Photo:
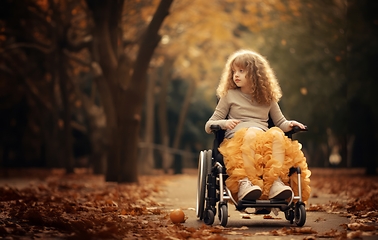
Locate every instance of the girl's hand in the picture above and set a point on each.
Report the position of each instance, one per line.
(231, 123)
(295, 123)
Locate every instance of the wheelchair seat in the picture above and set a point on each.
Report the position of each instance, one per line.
(220, 133)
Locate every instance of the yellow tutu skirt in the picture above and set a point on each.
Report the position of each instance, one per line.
(260, 166)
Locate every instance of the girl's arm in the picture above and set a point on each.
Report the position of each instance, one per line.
(280, 121)
(219, 116)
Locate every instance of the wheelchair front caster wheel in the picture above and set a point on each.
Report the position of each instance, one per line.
(209, 217)
(300, 215)
(223, 215)
(289, 215)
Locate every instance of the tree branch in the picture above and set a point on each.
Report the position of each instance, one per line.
(36, 95)
(28, 45)
(101, 11)
(150, 40)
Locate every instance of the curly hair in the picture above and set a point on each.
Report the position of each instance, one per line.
(264, 86)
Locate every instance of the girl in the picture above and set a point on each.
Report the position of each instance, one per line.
(257, 159)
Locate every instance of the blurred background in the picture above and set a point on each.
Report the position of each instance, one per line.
(125, 87)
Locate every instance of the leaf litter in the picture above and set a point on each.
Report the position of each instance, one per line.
(359, 201)
(84, 206)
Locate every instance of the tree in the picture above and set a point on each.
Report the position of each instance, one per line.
(324, 54)
(34, 41)
(362, 40)
(123, 83)
(67, 37)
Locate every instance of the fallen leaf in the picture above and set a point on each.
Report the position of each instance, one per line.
(361, 226)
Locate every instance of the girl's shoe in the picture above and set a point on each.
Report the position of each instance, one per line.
(248, 191)
(279, 190)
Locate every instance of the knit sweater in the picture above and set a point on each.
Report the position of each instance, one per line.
(237, 105)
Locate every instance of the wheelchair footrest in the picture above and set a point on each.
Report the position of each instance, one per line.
(272, 203)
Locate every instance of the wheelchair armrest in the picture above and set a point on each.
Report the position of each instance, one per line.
(295, 129)
(215, 128)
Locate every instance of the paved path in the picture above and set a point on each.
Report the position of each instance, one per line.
(181, 193)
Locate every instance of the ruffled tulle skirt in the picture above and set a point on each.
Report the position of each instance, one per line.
(254, 159)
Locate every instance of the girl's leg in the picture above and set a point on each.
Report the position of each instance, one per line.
(250, 155)
(279, 190)
(278, 148)
(248, 191)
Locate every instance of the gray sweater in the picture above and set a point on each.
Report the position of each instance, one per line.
(237, 105)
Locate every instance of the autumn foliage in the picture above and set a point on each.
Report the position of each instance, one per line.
(84, 206)
(79, 206)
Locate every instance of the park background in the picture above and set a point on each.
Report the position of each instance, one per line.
(123, 88)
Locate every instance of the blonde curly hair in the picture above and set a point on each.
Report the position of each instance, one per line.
(264, 86)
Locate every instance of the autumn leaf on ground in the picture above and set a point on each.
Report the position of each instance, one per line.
(332, 234)
(293, 231)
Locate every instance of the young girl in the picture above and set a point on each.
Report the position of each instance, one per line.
(257, 158)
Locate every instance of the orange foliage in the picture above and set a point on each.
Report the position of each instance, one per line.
(201, 34)
(85, 206)
(43, 4)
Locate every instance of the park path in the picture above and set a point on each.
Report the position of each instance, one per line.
(180, 192)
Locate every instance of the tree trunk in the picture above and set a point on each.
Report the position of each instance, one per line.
(138, 86)
(111, 130)
(163, 121)
(184, 110)
(180, 126)
(66, 113)
(51, 153)
(105, 66)
(122, 105)
(129, 133)
(146, 155)
(361, 17)
(96, 129)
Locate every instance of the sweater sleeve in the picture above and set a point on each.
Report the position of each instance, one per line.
(220, 114)
(278, 118)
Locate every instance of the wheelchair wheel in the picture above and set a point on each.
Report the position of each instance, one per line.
(208, 217)
(223, 215)
(300, 215)
(289, 215)
(204, 167)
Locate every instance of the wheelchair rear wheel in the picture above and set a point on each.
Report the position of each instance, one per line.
(204, 168)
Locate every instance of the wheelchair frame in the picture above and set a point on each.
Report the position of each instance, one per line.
(211, 188)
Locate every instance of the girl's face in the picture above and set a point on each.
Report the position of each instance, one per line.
(239, 78)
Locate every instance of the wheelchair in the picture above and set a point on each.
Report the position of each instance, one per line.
(212, 189)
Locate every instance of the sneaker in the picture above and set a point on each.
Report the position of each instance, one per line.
(248, 191)
(279, 190)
